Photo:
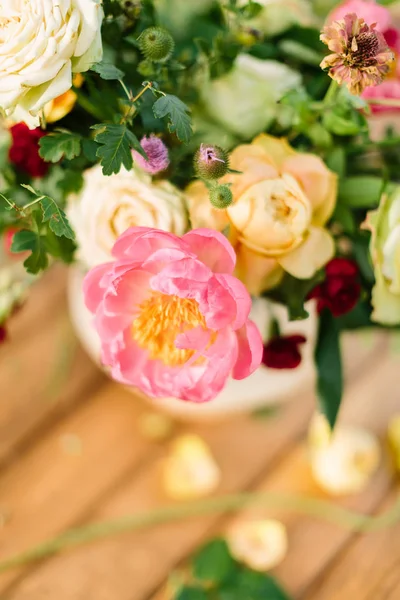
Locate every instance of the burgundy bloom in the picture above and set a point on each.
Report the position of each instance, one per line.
(341, 289)
(24, 151)
(282, 352)
(3, 334)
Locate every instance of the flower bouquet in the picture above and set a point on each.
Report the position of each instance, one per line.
(193, 157)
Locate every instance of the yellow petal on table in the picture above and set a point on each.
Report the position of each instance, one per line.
(393, 435)
(259, 543)
(344, 461)
(190, 471)
(155, 426)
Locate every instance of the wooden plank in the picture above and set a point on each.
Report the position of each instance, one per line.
(79, 460)
(367, 570)
(43, 369)
(131, 567)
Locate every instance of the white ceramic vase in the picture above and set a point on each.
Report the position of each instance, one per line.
(266, 387)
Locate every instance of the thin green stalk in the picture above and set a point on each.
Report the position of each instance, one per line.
(322, 509)
(331, 92)
(393, 102)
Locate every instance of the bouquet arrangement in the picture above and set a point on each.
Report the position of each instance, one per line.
(192, 155)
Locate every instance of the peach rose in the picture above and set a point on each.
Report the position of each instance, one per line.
(282, 202)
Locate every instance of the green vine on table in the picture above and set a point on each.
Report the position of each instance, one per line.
(321, 509)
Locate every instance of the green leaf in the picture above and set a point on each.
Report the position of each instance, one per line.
(116, 142)
(71, 181)
(60, 247)
(191, 593)
(58, 145)
(107, 71)
(361, 191)
(89, 148)
(31, 240)
(300, 52)
(179, 121)
(56, 218)
(213, 563)
(340, 125)
(293, 294)
(251, 585)
(329, 366)
(336, 161)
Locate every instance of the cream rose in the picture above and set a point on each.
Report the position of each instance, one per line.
(107, 206)
(42, 43)
(384, 223)
(245, 100)
(281, 201)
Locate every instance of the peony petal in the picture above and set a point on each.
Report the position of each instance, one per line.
(212, 248)
(110, 327)
(250, 350)
(187, 278)
(138, 243)
(316, 250)
(218, 305)
(93, 291)
(126, 293)
(129, 360)
(240, 295)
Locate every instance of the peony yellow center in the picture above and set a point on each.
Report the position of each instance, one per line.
(161, 319)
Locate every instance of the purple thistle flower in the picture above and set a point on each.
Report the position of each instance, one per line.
(157, 152)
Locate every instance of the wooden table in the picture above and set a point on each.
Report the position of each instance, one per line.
(72, 451)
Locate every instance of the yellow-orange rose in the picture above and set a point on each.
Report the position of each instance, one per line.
(282, 200)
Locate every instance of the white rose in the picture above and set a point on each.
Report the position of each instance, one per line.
(277, 16)
(245, 99)
(42, 43)
(107, 206)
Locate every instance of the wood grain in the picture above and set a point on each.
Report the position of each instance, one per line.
(73, 451)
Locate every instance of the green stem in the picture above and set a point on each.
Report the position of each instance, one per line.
(331, 92)
(88, 106)
(322, 509)
(393, 102)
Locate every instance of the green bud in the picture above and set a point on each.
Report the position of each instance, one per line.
(221, 196)
(156, 44)
(211, 162)
(131, 8)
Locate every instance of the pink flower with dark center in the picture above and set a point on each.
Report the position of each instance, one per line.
(172, 318)
(360, 54)
(157, 153)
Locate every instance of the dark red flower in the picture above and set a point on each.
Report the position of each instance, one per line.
(341, 289)
(24, 151)
(3, 334)
(283, 352)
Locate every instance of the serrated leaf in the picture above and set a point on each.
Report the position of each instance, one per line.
(329, 367)
(179, 121)
(115, 149)
(30, 240)
(107, 71)
(213, 563)
(56, 218)
(60, 247)
(58, 145)
(89, 148)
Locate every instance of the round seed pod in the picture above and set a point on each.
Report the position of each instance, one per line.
(221, 196)
(156, 44)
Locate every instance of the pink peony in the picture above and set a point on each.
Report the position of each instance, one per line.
(172, 319)
(368, 10)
